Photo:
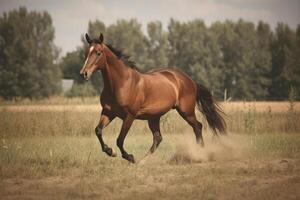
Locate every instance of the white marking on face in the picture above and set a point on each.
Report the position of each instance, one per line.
(85, 63)
(92, 48)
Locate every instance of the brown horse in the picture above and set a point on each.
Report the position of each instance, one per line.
(130, 94)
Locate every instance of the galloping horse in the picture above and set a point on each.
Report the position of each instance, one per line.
(130, 94)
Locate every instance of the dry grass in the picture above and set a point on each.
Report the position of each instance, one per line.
(81, 120)
(92, 103)
(50, 152)
(74, 168)
(58, 100)
(260, 106)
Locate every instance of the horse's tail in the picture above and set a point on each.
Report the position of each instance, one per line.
(211, 110)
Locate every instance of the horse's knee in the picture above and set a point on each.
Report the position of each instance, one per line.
(200, 125)
(119, 142)
(157, 137)
(98, 131)
(196, 124)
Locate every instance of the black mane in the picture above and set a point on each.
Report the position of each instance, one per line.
(120, 55)
(125, 58)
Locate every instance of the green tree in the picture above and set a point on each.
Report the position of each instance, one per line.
(127, 35)
(71, 64)
(296, 63)
(262, 62)
(28, 55)
(157, 45)
(284, 71)
(292, 71)
(82, 90)
(194, 49)
(238, 43)
(176, 52)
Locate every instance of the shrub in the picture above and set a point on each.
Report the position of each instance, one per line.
(82, 90)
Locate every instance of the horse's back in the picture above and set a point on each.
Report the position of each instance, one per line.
(163, 89)
(183, 82)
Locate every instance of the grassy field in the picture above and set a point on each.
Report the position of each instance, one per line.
(49, 151)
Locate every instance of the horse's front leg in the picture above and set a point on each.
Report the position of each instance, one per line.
(105, 119)
(127, 122)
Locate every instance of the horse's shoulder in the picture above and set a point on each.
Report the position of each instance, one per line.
(105, 97)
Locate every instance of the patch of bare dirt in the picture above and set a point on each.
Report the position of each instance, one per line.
(237, 179)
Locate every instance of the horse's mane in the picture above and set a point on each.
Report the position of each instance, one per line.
(125, 58)
(120, 55)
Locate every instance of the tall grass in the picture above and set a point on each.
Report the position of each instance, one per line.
(75, 123)
(56, 100)
(251, 121)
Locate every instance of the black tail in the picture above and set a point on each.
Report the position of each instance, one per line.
(211, 110)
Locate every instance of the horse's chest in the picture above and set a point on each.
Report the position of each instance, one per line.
(117, 108)
(122, 102)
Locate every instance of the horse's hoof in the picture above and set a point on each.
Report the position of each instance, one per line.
(201, 143)
(109, 151)
(129, 157)
(113, 154)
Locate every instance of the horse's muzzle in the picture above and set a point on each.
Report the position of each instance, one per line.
(85, 75)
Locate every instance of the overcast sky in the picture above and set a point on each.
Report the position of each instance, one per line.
(70, 17)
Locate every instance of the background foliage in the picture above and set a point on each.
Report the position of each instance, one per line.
(28, 55)
(250, 61)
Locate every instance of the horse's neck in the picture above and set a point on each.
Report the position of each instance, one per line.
(115, 73)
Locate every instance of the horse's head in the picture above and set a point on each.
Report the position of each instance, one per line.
(96, 59)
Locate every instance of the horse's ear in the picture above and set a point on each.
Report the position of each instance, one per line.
(101, 38)
(88, 39)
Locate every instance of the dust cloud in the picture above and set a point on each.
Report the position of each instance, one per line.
(217, 148)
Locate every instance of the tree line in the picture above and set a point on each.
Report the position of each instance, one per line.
(249, 61)
(28, 55)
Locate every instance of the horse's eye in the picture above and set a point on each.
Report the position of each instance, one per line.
(98, 53)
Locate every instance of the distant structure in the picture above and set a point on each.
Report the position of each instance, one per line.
(67, 84)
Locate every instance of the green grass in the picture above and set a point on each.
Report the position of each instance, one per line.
(275, 145)
(39, 156)
(56, 155)
(73, 167)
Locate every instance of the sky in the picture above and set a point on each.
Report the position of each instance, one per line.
(71, 17)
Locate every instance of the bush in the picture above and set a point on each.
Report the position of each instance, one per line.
(82, 90)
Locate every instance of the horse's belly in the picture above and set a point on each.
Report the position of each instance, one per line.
(156, 108)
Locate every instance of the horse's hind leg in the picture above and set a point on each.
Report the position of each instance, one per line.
(154, 127)
(190, 118)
